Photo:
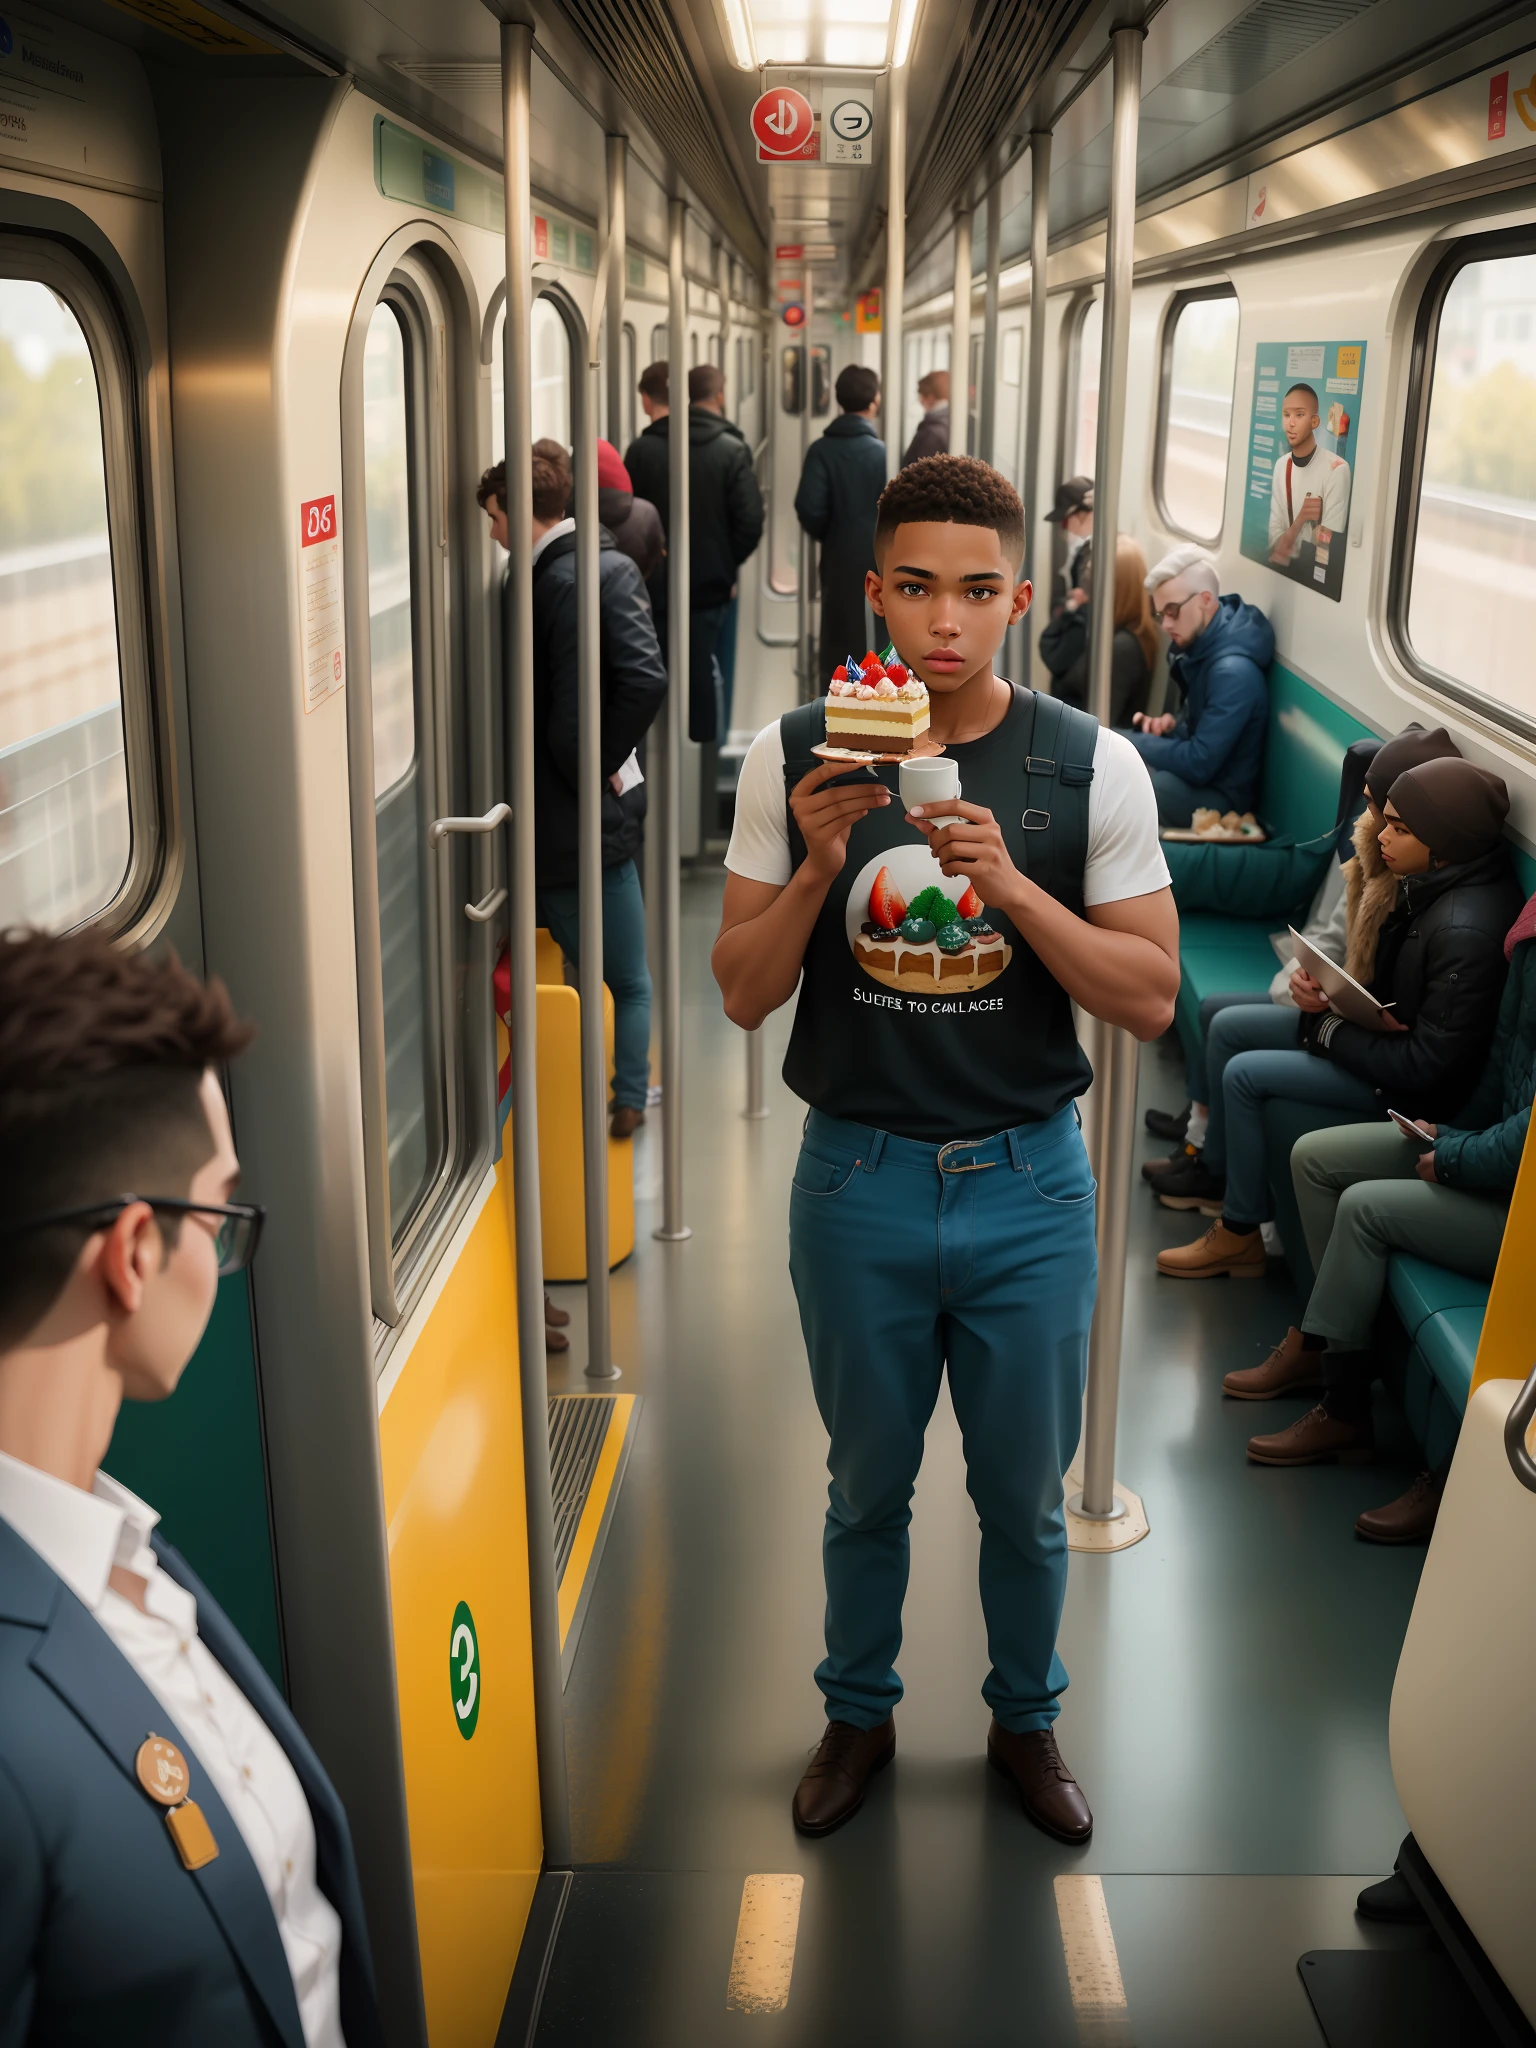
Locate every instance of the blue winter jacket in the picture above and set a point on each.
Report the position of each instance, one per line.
(1218, 743)
(1483, 1151)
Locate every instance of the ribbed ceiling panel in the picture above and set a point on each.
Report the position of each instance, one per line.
(637, 45)
(1271, 34)
(1007, 48)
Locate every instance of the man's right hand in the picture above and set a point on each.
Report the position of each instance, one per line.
(827, 816)
(1311, 509)
(1159, 727)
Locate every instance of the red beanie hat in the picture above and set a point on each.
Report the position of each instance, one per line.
(611, 473)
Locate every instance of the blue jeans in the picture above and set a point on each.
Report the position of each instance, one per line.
(1178, 800)
(624, 970)
(902, 1267)
(1240, 1027)
(1251, 1079)
(1196, 1072)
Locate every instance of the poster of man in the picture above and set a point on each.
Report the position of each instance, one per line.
(1306, 404)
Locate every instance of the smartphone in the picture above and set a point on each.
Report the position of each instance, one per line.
(1409, 1128)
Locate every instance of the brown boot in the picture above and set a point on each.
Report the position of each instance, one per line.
(1318, 1439)
(1288, 1368)
(1048, 1792)
(1240, 1253)
(1408, 1519)
(832, 1789)
(625, 1121)
(555, 1318)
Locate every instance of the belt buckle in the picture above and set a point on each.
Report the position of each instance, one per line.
(963, 1145)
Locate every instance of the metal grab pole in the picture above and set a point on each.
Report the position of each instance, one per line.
(679, 584)
(1034, 413)
(756, 1108)
(1115, 1119)
(617, 151)
(960, 339)
(517, 654)
(986, 397)
(589, 872)
(893, 293)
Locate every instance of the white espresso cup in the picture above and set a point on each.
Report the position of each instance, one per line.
(930, 780)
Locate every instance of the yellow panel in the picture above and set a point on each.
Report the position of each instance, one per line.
(1505, 1350)
(548, 960)
(450, 1440)
(561, 1180)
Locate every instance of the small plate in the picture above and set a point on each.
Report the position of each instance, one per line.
(923, 751)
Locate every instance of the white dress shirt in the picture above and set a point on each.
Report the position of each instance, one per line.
(556, 532)
(82, 1536)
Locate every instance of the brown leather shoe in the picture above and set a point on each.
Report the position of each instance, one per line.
(1220, 1251)
(625, 1121)
(555, 1340)
(1408, 1519)
(832, 1789)
(1180, 1156)
(1317, 1439)
(555, 1318)
(1287, 1370)
(1048, 1792)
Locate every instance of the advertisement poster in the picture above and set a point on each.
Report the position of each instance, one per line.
(1301, 452)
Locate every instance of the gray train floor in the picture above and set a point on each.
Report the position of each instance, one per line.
(1231, 1674)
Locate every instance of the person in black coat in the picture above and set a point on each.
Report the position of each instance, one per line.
(634, 688)
(839, 491)
(931, 436)
(725, 518)
(634, 522)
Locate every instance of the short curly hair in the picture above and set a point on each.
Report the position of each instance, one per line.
(956, 489)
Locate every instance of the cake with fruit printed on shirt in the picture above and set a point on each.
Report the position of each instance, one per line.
(875, 707)
(932, 943)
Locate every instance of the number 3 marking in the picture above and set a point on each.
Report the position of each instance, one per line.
(464, 1647)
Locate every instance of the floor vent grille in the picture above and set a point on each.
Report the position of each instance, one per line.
(578, 1429)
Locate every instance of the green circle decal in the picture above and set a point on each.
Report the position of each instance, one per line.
(464, 1670)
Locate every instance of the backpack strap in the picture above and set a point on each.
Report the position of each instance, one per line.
(801, 729)
(1058, 778)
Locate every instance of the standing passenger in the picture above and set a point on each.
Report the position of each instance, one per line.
(942, 1213)
(1064, 641)
(839, 490)
(1073, 513)
(931, 436)
(138, 1734)
(634, 522)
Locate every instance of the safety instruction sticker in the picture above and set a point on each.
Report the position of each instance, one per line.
(320, 600)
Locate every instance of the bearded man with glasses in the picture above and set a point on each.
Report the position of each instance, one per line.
(1210, 755)
(175, 1865)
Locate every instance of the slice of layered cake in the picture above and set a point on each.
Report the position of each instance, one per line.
(875, 708)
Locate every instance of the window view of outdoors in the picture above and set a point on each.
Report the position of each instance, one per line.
(64, 822)
(551, 378)
(1474, 557)
(1198, 421)
(1090, 338)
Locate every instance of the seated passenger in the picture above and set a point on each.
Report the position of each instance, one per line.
(1366, 1191)
(1064, 641)
(1348, 913)
(1440, 968)
(129, 1708)
(1211, 755)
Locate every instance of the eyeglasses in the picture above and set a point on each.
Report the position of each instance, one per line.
(235, 1236)
(1167, 613)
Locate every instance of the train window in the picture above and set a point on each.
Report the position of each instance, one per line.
(66, 832)
(1195, 411)
(551, 376)
(693, 351)
(1468, 515)
(792, 391)
(659, 343)
(1013, 355)
(821, 381)
(622, 430)
(1083, 438)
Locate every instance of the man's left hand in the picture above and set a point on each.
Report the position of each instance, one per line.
(1424, 1166)
(974, 847)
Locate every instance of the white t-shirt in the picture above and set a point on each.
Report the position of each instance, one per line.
(1323, 476)
(1125, 857)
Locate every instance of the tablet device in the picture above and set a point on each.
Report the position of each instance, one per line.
(1342, 990)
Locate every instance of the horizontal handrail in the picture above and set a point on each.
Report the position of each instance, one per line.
(1516, 1425)
(441, 827)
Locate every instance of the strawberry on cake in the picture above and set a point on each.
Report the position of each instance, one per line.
(876, 707)
(931, 943)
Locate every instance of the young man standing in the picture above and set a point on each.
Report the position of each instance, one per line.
(1073, 513)
(840, 487)
(931, 434)
(942, 1213)
(1309, 501)
(174, 1863)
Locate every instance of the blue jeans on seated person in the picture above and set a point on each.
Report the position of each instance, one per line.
(1241, 1027)
(1178, 801)
(1251, 1079)
(1197, 1067)
(902, 1268)
(624, 970)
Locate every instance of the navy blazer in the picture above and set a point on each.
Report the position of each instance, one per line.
(104, 1935)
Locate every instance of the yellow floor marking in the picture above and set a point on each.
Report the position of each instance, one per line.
(763, 1960)
(1093, 1967)
(592, 1514)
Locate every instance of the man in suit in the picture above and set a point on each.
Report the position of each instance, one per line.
(175, 1867)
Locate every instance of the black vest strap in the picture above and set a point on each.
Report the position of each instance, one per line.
(1058, 775)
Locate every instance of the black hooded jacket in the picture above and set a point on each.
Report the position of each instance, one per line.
(634, 688)
(725, 506)
(1440, 963)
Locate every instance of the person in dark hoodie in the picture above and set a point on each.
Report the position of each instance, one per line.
(839, 490)
(725, 520)
(1210, 755)
(634, 522)
(634, 688)
(1439, 975)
